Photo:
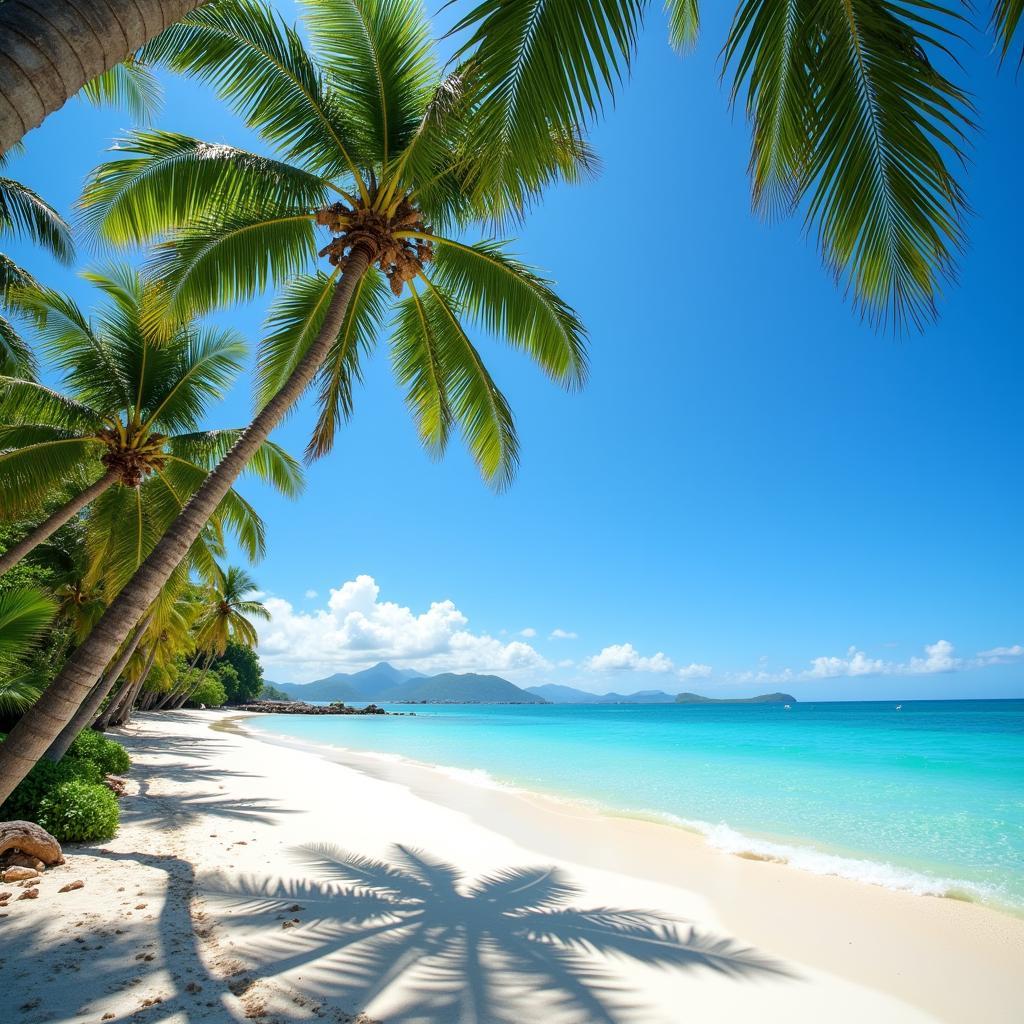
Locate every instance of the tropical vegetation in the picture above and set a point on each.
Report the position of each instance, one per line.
(371, 215)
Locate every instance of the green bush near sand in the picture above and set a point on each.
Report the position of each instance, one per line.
(69, 799)
(110, 757)
(79, 811)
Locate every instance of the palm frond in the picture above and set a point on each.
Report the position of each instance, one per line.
(27, 215)
(851, 117)
(162, 180)
(30, 474)
(225, 260)
(476, 404)
(271, 463)
(379, 61)
(415, 356)
(128, 86)
(514, 303)
(683, 23)
(261, 67)
(342, 367)
(25, 401)
(540, 70)
(1006, 20)
(24, 613)
(16, 356)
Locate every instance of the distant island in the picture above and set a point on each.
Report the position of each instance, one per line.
(764, 698)
(384, 682)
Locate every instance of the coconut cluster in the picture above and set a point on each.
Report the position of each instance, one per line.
(133, 464)
(400, 259)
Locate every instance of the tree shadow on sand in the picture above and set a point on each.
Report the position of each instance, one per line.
(465, 950)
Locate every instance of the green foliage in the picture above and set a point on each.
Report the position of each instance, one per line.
(248, 671)
(25, 802)
(79, 811)
(211, 691)
(271, 692)
(110, 757)
(128, 86)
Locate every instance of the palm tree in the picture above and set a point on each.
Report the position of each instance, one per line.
(53, 48)
(228, 609)
(129, 414)
(371, 145)
(25, 612)
(24, 214)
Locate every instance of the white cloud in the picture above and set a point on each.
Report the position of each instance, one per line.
(997, 655)
(625, 657)
(938, 657)
(856, 663)
(694, 671)
(563, 634)
(566, 663)
(311, 594)
(529, 632)
(357, 629)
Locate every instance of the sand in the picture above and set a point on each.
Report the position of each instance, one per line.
(254, 880)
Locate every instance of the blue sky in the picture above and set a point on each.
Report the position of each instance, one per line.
(751, 480)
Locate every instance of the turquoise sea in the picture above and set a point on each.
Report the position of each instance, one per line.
(928, 799)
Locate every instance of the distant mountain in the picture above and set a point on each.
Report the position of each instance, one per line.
(384, 682)
(570, 695)
(764, 698)
(467, 688)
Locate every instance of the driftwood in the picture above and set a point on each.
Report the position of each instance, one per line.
(30, 839)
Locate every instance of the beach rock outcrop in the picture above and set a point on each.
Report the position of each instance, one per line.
(298, 707)
(30, 839)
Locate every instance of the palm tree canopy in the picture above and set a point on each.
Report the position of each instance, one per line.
(369, 136)
(230, 607)
(131, 403)
(131, 407)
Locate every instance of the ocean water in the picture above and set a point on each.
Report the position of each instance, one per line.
(928, 799)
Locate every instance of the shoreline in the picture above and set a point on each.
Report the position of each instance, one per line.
(800, 854)
(252, 880)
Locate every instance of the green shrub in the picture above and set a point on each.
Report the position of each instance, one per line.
(24, 803)
(110, 757)
(77, 811)
(210, 692)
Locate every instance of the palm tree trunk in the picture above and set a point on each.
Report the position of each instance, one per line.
(120, 709)
(84, 715)
(175, 691)
(49, 49)
(45, 719)
(50, 526)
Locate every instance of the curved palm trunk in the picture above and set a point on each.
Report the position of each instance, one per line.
(65, 513)
(85, 714)
(176, 691)
(49, 49)
(120, 712)
(62, 698)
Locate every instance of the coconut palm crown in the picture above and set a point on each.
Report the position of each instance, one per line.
(228, 611)
(371, 154)
(122, 435)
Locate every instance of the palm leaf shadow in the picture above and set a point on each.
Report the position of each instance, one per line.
(462, 948)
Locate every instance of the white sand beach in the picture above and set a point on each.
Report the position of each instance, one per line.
(253, 880)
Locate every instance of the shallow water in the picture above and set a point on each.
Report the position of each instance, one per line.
(928, 799)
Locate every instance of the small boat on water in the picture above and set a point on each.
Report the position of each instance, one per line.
(899, 707)
(787, 707)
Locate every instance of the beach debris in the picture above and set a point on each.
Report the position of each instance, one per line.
(29, 894)
(28, 838)
(116, 784)
(19, 874)
(77, 884)
(140, 906)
